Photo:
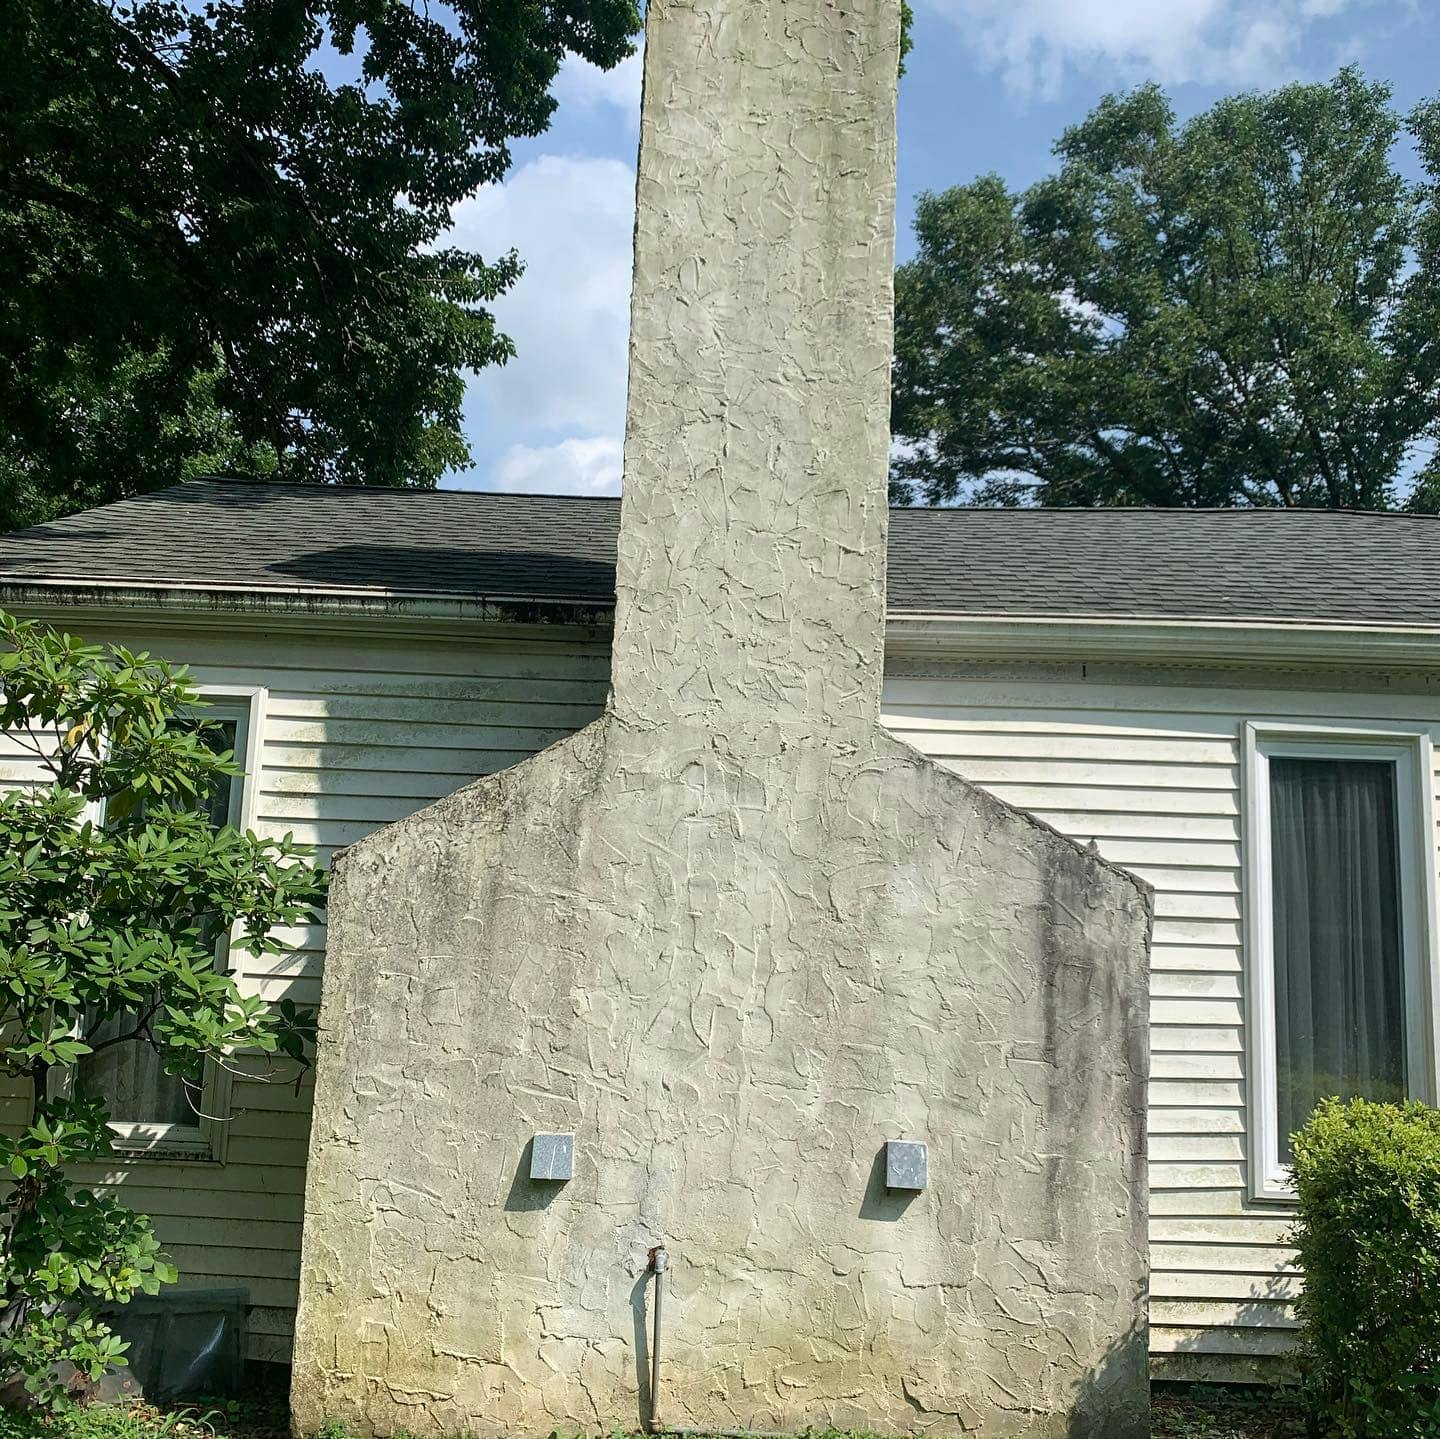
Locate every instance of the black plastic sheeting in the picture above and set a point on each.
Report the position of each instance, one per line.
(183, 1343)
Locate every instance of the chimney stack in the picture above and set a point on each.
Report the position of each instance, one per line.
(751, 577)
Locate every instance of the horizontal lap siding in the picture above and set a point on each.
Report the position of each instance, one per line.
(356, 734)
(1150, 771)
(361, 732)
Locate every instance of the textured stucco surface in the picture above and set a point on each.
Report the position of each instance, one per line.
(734, 977)
(734, 936)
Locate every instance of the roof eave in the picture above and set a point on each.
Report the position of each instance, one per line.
(181, 604)
(1141, 638)
(909, 634)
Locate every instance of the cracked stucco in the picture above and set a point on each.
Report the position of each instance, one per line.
(734, 934)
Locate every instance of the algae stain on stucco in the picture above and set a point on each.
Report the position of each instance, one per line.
(735, 935)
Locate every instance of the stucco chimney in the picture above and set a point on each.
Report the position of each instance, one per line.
(734, 936)
(751, 580)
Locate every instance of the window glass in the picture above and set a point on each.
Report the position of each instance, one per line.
(131, 1076)
(1338, 945)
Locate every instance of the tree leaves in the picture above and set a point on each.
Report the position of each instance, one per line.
(212, 257)
(1239, 310)
(108, 936)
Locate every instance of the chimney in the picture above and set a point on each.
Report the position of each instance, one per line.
(751, 577)
(708, 974)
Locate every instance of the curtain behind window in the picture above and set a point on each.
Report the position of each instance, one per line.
(1339, 965)
(131, 1079)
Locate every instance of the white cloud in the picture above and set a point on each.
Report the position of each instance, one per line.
(571, 219)
(573, 467)
(585, 87)
(1035, 43)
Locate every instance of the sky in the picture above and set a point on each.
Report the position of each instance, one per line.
(988, 88)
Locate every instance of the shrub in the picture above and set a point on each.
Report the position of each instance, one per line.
(116, 886)
(1368, 1180)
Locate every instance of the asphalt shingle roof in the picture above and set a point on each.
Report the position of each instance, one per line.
(1306, 565)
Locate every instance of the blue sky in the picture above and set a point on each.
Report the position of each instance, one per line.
(989, 86)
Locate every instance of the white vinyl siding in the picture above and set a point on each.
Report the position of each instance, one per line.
(1148, 766)
(359, 731)
(354, 732)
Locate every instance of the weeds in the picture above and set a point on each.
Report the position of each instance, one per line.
(1196, 1413)
(1223, 1412)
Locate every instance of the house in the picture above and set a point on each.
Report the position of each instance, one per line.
(1201, 696)
(799, 951)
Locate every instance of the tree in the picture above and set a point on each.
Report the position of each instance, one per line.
(117, 890)
(1240, 310)
(214, 256)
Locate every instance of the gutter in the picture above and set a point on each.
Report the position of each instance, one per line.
(921, 636)
(1231, 642)
(301, 606)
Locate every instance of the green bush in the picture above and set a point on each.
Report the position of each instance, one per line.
(1368, 1180)
(116, 887)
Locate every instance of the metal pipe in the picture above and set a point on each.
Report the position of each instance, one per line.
(659, 1263)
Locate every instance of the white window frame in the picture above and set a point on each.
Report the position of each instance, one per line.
(1411, 751)
(206, 1139)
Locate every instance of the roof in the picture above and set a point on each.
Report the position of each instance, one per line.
(1291, 565)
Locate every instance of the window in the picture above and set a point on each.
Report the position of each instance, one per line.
(1339, 895)
(152, 1111)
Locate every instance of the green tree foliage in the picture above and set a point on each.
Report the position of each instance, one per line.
(115, 889)
(213, 256)
(1240, 310)
(1367, 1177)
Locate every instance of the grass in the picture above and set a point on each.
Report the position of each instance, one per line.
(1194, 1413)
(259, 1417)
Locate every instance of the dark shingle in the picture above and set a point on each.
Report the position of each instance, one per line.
(212, 533)
(1305, 565)
(1222, 564)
